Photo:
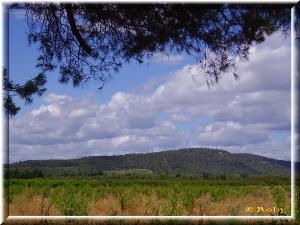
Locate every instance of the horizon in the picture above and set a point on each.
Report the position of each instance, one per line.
(159, 105)
(144, 153)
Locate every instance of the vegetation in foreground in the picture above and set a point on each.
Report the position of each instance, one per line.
(148, 196)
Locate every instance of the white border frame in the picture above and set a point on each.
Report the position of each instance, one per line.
(294, 122)
(101, 218)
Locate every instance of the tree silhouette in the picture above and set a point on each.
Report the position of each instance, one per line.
(91, 41)
(24, 91)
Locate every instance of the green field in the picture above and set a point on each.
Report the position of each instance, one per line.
(148, 196)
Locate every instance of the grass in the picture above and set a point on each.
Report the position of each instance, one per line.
(150, 196)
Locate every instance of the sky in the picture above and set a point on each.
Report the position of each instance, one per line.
(160, 105)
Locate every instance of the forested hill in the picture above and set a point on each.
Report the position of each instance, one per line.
(193, 161)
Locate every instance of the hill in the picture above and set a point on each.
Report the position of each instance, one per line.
(191, 161)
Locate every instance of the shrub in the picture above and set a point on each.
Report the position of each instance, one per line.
(70, 202)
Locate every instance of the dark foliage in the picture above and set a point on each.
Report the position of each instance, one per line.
(91, 41)
(23, 173)
(25, 91)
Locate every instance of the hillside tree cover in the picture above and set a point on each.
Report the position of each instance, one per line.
(188, 162)
(90, 42)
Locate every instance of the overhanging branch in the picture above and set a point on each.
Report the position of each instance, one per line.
(75, 31)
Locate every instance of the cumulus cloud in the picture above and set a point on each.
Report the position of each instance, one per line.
(279, 149)
(18, 13)
(167, 59)
(180, 111)
(231, 134)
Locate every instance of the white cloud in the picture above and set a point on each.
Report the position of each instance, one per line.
(280, 149)
(51, 109)
(167, 59)
(59, 99)
(18, 13)
(180, 111)
(231, 134)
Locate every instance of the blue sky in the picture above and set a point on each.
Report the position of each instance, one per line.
(155, 106)
(131, 76)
